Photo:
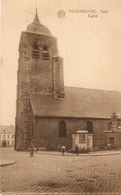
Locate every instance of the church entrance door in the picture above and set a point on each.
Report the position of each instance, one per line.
(112, 141)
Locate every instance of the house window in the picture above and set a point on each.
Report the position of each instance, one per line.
(12, 142)
(8, 142)
(8, 136)
(89, 127)
(109, 125)
(12, 136)
(3, 136)
(62, 129)
(35, 52)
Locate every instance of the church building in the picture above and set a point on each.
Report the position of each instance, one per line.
(49, 113)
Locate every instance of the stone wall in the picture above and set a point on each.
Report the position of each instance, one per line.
(116, 136)
(35, 75)
(58, 77)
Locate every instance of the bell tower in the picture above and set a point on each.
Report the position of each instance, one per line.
(40, 70)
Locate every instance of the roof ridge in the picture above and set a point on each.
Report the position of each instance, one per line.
(91, 89)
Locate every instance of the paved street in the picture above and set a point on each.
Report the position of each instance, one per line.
(60, 174)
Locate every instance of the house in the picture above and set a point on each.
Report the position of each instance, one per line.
(7, 136)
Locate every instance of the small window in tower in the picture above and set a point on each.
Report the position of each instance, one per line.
(35, 53)
(109, 125)
(45, 53)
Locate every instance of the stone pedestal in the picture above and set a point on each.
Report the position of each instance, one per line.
(82, 139)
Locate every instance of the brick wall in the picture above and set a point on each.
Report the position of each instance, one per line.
(46, 130)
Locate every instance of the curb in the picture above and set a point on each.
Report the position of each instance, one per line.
(103, 154)
(6, 163)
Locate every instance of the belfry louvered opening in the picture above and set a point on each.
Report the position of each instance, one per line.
(45, 53)
(35, 52)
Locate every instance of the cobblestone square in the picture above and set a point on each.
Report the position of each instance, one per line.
(71, 174)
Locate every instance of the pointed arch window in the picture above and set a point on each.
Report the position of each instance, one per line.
(89, 127)
(109, 125)
(62, 129)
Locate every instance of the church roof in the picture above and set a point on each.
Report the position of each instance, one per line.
(78, 102)
(37, 28)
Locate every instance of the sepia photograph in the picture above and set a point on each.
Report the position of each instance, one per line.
(60, 97)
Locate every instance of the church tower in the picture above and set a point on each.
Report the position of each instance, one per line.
(40, 70)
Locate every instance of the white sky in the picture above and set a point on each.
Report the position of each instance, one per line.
(91, 47)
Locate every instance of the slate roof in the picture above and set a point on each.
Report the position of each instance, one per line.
(7, 129)
(37, 28)
(78, 102)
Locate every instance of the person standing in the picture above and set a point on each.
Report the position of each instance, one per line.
(76, 150)
(63, 149)
(31, 148)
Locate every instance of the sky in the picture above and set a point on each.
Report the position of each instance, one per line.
(90, 46)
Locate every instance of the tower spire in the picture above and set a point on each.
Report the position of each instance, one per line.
(36, 6)
(36, 19)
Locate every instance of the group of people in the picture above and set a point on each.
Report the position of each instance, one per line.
(63, 149)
